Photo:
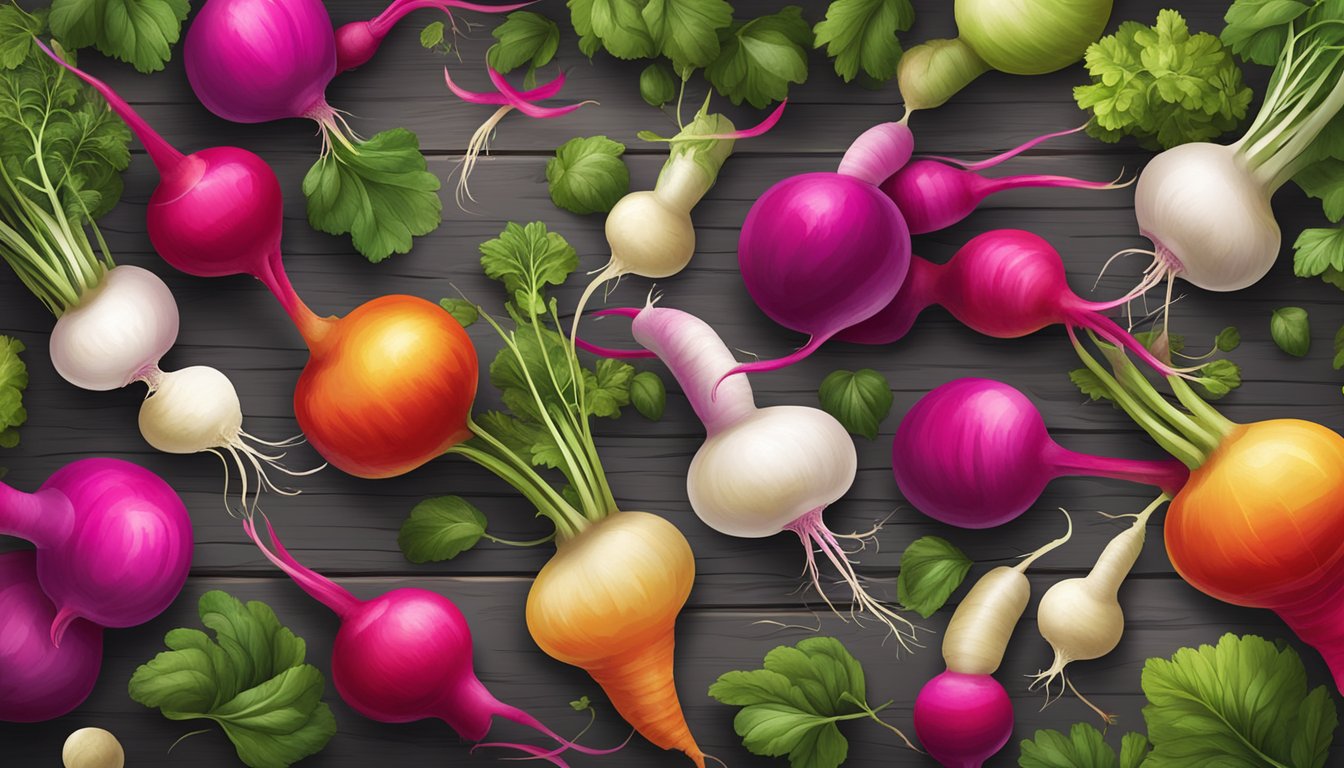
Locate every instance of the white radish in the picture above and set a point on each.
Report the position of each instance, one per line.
(1081, 618)
(92, 748)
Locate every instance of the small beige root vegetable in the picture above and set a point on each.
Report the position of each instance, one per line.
(92, 748)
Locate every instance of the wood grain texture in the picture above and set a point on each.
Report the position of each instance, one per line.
(347, 527)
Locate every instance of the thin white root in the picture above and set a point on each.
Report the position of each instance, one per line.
(1031, 557)
(1106, 717)
(479, 142)
(253, 463)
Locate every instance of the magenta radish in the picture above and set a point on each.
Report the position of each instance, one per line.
(821, 252)
(937, 192)
(963, 716)
(975, 453)
(760, 471)
(1005, 283)
(358, 41)
(113, 542)
(406, 655)
(38, 680)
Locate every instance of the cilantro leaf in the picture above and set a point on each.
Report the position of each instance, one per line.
(1324, 180)
(931, 570)
(648, 395)
(587, 175)
(139, 32)
(1162, 85)
(251, 679)
(607, 388)
(1257, 29)
(1291, 330)
(1083, 747)
(463, 311)
(859, 400)
(1218, 378)
(1089, 384)
(527, 260)
(686, 31)
(440, 529)
(861, 35)
(1241, 702)
(17, 29)
(378, 191)
(761, 57)
(524, 38)
(1319, 251)
(13, 381)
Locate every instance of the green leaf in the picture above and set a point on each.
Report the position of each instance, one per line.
(607, 388)
(648, 395)
(1089, 384)
(378, 191)
(687, 31)
(618, 24)
(524, 38)
(251, 679)
(1290, 330)
(528, 259)
(861, 35)
(463, 311)
(1083, 747)
(587, 175)
(1319, 251)
(1257, 29)
(1338, 361)
(657, 86)
(431, 36)
(17, 29)
(1243, 702)
(1218, 378)
(139, 32)
(1162, 85)
(859, 400)
(761, 57)
(931, 570)
(440, 529)
(13, 381)
(1324, 180)
(1134, 749)
(1228, 339)
(581, 704)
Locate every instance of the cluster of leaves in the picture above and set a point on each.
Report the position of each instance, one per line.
(859, 400)
(13, 381)
(587, 175)
(793, 706)
(752, 60)
(139, 32)
(931, 570)
(1162, 85)
(251, 679)
(1215, 379)
(523, 39)
(1243, 702)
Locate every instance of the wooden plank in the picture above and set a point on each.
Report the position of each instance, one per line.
(1166, 616)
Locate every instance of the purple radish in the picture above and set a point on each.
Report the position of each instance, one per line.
(39, 680)
(975, 453)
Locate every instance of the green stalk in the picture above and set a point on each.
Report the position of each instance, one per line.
(532, 487)
(1206, 414)
(1131, 379)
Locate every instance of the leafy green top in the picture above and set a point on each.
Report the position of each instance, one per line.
(760, 58)
(13, 380)
(1162, 85)
(587, 174)
(139, 32)
(931, 570)
(251, 679)
(861, 35)
(524, 38)
(61, 156)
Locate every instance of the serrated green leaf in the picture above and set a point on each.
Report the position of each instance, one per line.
(931, 570)
(1134, 748)
(431, 36)
(13, 381)
(760, 58)
(440, 529)
(860, 35)
(17, 29)
(1257, 29)
(463, 311)
(648, 395)
(587, 175)
(1218, 378)
(528, 259)
(1338, 361)
(1083, 747)
(1319, 251)
(859, 400)
(1089, 384)
(1324, 180)
(1291, 331)
(523, 37)
(619, 25)
(687, 31)
(139, 32)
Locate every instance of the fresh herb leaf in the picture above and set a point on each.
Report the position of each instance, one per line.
(687, 31)
(139, 32)
(1320, 251)
(793, 706)
(1083, 747)
(1162, 85)
(587, 175)
(1217, 378)
(931, 570)
(251, 679)
(440, 529)
(1257, 29)
(463, 311)
(859, 400)
(17, 29)
(861, 35)
(608, 388)
(618, 24)
(1134, 749)
(1089, 384)
(524, 38)
(1324, 180)
(378, 191)
(581, 18)
(761, 57)
(1241, 702)
(581, 704)
(527, 260)
(1228, 339)
(13, 381)
(1289, 328)
(431, 37)
(657, 86)
(648, 395)
(1338, 361)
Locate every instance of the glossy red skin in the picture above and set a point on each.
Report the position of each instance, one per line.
(963, 720)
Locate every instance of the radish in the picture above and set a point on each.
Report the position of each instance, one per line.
(1005, 283)
(39, 680)
(113, 542)
(406, 655)
(387, 387)
(935, 193)
(975, 453)
(760, 471)
(963, 716)
(821, 252)
(358, 41)
(1081, 618)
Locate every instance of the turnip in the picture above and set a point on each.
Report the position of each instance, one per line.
(405, 655)
(1081, 618)
(936, 192)
(760, 471)
(975, 453)
(39, 680)
(113, 542)
(92, 748)
(963, 716)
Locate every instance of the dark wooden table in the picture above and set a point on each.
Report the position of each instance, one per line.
(347, 528)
